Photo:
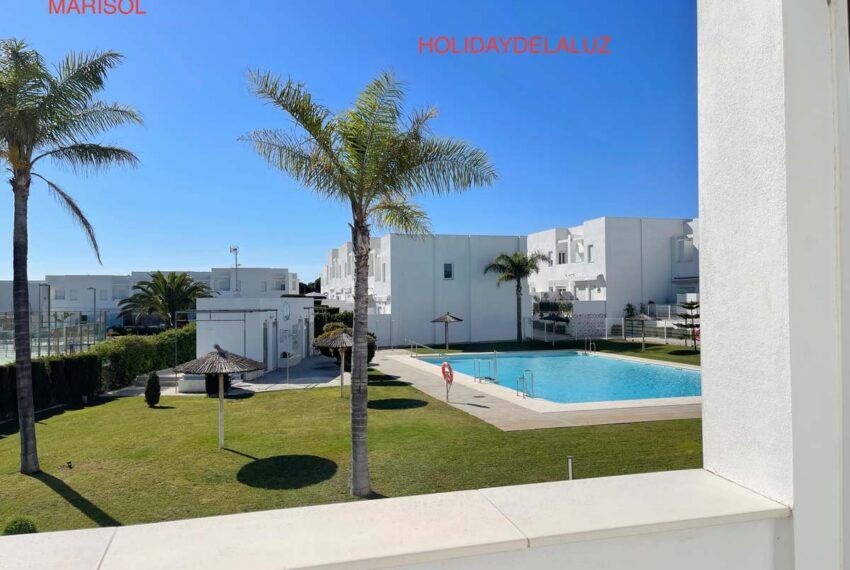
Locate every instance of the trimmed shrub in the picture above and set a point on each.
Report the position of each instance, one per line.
(20, 525)
(56, 380)
(322, 319)
(124, 358)
(152, 390)
(211, 381)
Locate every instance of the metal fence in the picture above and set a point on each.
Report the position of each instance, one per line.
(60, 332)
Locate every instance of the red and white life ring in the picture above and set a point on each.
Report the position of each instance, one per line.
(448, 373)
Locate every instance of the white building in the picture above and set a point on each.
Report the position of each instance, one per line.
(607, 262)
(82, 294)
(413, 280)
(263, 329)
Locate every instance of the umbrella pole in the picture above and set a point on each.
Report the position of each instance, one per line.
(220, 411)
(342, 373)
(446, 336)
(642, 336)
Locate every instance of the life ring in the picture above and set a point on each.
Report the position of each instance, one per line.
(448, 373)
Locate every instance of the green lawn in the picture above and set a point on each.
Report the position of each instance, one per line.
(132, 464)
(666, 352)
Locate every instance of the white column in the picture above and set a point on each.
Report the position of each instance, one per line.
(775, 293)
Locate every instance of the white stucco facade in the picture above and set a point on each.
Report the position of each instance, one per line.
(258, 328)
(613, 261)
(83, 293)
(413, 280)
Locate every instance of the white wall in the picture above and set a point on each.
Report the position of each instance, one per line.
(242, 332)
(773, 139)
(419, 292)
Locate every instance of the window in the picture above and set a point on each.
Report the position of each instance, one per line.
(550, 259)
(264, 286)
(120, 292)
(103, 294)
(59, 294)
(590, 254)
(279, 285)
(73, 294)
(562, 257)
(222, 284)
(448, 271)
(684, 250)
(384, 272)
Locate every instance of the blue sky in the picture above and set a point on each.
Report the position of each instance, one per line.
(573, 137)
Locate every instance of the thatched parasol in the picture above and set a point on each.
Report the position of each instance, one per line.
(220, 362)
(643, 317)
(447, 319)
(339, 341)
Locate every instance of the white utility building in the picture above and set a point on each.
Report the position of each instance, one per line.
(263, 329)
(412, 280)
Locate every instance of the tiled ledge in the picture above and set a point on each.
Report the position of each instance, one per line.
(406, 530)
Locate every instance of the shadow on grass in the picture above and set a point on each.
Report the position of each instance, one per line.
(286, 472)
(10, 426)
(684, 352)
(386, 380)
(244, 395)
(243, 454)
(158, 407)
(396, 404)
(89, 509)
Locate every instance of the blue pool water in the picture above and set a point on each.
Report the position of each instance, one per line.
(572, 377)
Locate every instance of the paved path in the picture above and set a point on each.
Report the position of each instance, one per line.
(511, 417)
(313, 372)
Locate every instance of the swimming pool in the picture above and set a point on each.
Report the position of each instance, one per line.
(575, 377)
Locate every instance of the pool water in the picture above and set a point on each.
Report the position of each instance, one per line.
(573, 377)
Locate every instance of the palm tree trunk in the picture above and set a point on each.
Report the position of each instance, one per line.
(361, 485)
(518, 310)
(21, 303)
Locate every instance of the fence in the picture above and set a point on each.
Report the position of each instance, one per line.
(599, 326)
(60, 332)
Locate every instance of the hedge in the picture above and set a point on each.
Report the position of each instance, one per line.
(321, 319)
(126, 357)
(56, 380)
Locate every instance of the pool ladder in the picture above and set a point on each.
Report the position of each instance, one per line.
(589, 345)
(526, 381)
(492, 369)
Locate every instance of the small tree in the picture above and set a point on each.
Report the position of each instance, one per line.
(690, 317)
(152, 390)
(629, 311)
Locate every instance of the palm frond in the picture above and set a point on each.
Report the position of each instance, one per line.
(77, 79)
(404, 217)
(84, 157)
(92, 120)
(74, 209)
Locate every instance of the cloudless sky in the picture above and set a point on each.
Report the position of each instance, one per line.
(573, 136)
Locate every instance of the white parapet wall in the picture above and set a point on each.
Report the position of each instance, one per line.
(660, 521)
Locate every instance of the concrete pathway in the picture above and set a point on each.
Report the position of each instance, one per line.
(507, 416)
(313, 372)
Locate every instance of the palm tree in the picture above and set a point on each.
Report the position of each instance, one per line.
(375, 160)
(164, 296)
(516, 267)
(51, 115)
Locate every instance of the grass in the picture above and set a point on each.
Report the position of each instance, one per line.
(666, 352)
(131, 464)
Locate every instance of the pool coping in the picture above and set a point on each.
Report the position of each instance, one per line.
(507, 393)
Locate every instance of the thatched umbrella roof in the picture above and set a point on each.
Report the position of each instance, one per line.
(219, 361)
(340, 340)
(447, 318)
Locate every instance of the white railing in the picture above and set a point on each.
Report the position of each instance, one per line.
(415, 345)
